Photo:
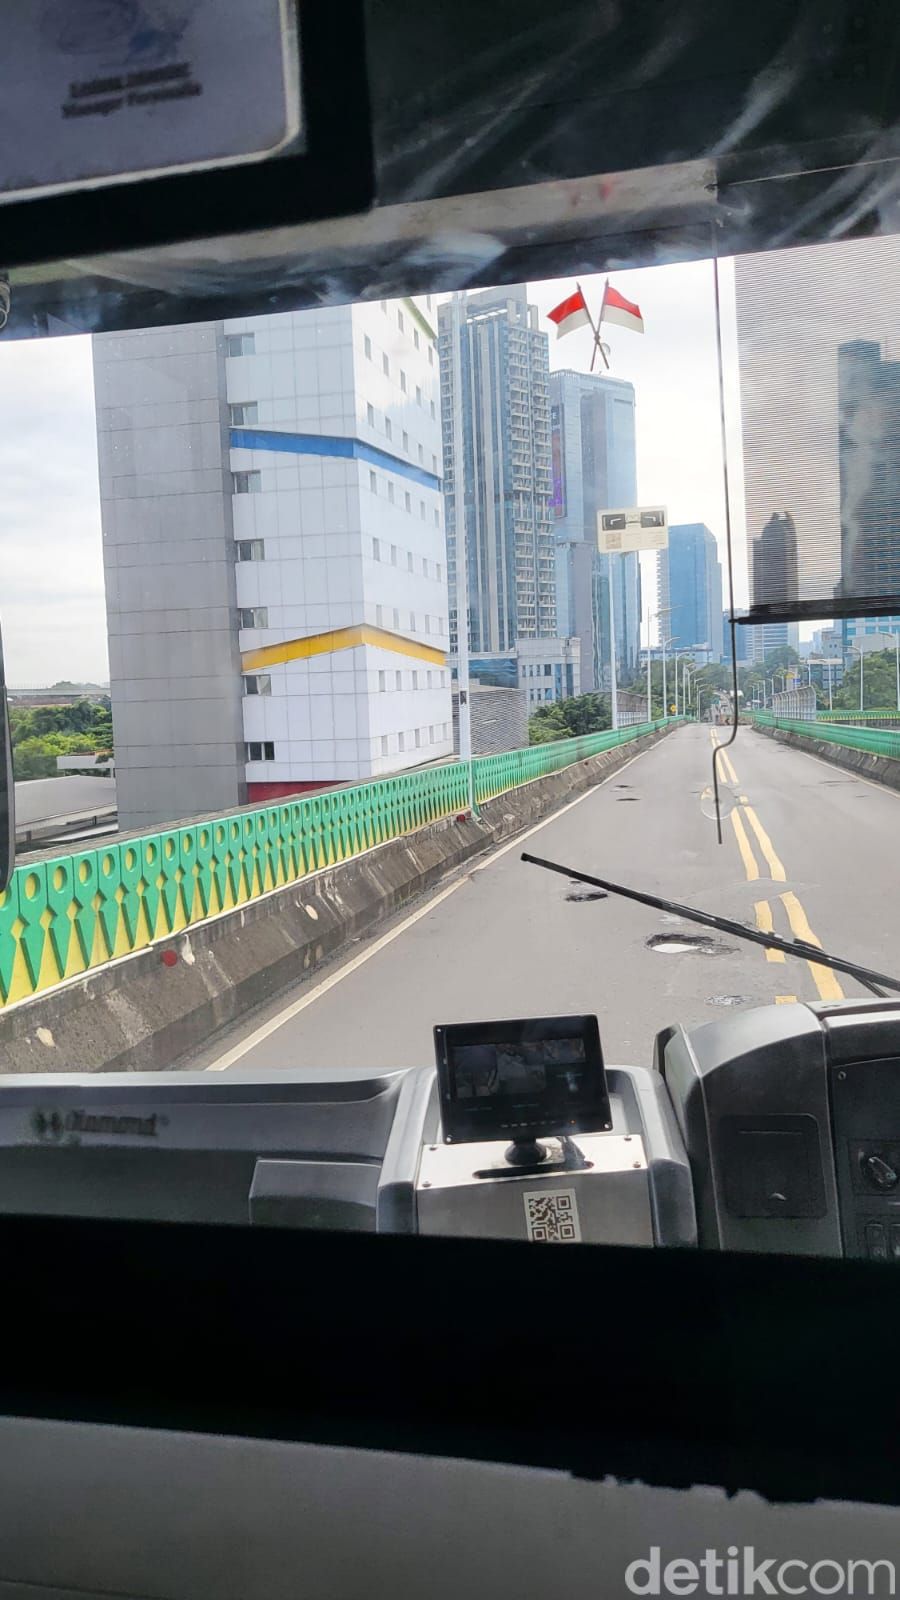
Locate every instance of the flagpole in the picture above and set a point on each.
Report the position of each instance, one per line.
(594, 329)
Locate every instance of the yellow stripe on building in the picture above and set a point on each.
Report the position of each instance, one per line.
(326, 644)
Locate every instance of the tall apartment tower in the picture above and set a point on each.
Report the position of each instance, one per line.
(594, 469)
(276, 572)
(499, 381)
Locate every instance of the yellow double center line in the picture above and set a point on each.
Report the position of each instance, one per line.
(824, 978)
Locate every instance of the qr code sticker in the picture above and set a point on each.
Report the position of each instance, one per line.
(552, 1217)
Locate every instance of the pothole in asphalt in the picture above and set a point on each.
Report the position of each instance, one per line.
(622, 799)
(676, 944)
(728, 1000)
(588, 894)
(623, 785)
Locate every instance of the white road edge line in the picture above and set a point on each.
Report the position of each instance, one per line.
(293, 1010)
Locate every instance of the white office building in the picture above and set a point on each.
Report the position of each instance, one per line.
(274, 553)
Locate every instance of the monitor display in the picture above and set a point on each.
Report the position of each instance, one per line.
(530, 1077)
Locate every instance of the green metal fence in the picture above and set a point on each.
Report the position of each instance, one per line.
(67, 915)
(876, 741)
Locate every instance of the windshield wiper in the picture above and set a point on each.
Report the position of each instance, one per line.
(875, 981)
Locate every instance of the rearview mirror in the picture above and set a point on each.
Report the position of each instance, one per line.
(7, 787)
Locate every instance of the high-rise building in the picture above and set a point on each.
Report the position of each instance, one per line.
(501, 372)
(869, 464)
(690, 589)
(276, 573)
(594, 469)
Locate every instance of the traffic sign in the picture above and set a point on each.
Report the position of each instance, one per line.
(636, 528)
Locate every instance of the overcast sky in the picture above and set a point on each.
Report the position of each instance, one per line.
(54, 622)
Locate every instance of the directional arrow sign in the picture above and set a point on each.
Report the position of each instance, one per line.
(638, 528)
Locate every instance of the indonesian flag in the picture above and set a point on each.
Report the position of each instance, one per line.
(571, 314)
(616, 308)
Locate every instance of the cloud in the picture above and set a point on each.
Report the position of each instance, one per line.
(51, 603)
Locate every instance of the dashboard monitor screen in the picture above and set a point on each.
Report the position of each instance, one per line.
(523, 1079)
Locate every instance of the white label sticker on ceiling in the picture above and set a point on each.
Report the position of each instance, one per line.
(97, 90)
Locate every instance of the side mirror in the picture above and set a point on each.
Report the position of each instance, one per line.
(7, 788)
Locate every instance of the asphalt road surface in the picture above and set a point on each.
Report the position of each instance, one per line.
(808, 850)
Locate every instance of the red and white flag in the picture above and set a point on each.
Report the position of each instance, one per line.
(570, 314)
(616, 308)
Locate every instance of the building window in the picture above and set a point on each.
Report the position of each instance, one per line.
(243, 415)
(418, 738)
(410, 565)
(424, 566)
(251, 550)
(260, 751)
(429, 680)
(386, 366)
(415, 680)
(422, 458)
(431, 729)
(408, 504)
(434, 419)
(246, 482)
(431, 364)
(367, 346)
(412, 622)
(403, 381)
(379, 616)
(396, 620)
(240, 344)
(376, 550)
(253, 617)
(434, 465)
(382, 682)
(258, 683)
(393, 551)
(437, 523)
(422, 509)
(401, 743)
(370, 415)
(547, 667)
(418, 394)
(388, 428)
(373, 483)
(416, 337)
(439, 571)
(406, 448)
(400, 320)
(398, 680)
(427, 623)
(384, 744)
(391, 494)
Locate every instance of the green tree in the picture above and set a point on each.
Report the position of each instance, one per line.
(879, 684)
(584, 713)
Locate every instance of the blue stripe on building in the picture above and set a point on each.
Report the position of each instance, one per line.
(323, 444)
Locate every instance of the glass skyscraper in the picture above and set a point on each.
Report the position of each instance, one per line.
(594, 469)
(690, 589)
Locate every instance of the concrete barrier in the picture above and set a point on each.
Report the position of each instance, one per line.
(881, 769)
(146, 1011)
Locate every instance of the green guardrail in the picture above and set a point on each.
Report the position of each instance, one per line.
(858, 716)
(876, 741)
(69, 914)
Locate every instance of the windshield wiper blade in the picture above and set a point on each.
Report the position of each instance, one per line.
(709, 919)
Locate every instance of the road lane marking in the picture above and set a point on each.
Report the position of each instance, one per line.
(785, 999)
(765, 925)
(824, 978)
(743, 844)
(772, 861)
(244, 1046)
(730, 773)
